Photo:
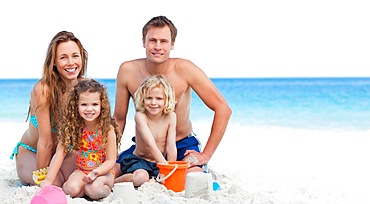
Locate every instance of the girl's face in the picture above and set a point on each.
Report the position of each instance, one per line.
(89, 106)
(154, 101)
(68, 60)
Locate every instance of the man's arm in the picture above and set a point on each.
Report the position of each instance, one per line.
(211, 96)
(122, 99)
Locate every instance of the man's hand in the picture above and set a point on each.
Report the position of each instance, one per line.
(195, 158)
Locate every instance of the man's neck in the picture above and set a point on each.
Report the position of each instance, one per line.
(157, 68)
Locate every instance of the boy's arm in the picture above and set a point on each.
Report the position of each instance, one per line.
(171, 149)
(55, 164)
(148, 138)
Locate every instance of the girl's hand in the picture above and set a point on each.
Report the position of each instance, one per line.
(44, 183)
(91, 176)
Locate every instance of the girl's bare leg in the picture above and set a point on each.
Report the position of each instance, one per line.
(74, 186)
(101, 187)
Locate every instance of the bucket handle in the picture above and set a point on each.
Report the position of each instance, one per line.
(168, 175)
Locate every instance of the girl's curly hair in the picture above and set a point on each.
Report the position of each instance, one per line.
(71, 124)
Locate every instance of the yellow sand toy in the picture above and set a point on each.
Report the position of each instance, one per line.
(39, 175)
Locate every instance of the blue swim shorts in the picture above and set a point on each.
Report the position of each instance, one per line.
(190, 142)
(130, 163)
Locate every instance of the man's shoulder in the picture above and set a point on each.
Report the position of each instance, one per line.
(182, 65)
(134, 62)
(130, 67)
(181, 61)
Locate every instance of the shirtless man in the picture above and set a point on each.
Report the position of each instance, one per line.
(159, 36)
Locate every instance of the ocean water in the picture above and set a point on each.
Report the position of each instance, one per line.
(305, 103)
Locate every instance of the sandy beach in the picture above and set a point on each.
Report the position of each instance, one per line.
(252, 165)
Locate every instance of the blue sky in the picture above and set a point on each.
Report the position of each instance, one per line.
(266, 38)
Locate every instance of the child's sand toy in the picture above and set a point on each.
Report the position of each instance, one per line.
(39, 175)
(173, 175)
(198, 184)
(126, 192)
(49, 195)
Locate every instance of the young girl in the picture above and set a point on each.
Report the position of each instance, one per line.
(88, 128)
(155, 131)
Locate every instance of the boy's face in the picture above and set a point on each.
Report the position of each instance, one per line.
(154, 101)
(158, 44)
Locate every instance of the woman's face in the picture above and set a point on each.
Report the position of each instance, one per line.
(68, 60)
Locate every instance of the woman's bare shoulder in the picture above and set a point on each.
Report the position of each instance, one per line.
(40, 89)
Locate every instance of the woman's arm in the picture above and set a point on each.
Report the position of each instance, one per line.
(45, 143)
(55, 164)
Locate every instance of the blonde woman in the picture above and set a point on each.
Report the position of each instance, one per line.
(65, 64)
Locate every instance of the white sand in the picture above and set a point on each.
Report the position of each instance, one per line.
(264, 165)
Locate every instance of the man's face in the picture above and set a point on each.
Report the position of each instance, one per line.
(158, 44)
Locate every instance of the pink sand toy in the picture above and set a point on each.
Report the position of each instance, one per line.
(49, 195)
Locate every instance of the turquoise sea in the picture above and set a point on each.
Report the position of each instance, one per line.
(308, 103)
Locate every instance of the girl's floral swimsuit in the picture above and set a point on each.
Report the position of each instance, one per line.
(91, 153)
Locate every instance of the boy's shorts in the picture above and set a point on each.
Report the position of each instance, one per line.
(190, 142)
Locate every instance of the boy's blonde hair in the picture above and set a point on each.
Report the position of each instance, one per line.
(155, 82)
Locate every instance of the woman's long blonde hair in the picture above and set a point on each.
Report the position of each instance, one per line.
(51, 77)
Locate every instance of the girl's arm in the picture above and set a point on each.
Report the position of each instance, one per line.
(171, 149)
(146, 134)
(111, 157)
(55, 164)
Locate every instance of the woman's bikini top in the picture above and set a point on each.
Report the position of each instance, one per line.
(34, 122)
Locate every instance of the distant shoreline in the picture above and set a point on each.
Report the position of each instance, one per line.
(309, 77)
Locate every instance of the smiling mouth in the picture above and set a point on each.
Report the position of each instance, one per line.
(89, 115)
(157, 54)
(71, 69)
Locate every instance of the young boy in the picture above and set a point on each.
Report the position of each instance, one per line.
(155, 131)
